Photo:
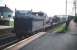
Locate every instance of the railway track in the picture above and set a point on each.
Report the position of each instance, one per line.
(6, 41)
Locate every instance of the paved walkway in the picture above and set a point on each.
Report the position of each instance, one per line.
(57, 41)
(53, 42)
(73, 26)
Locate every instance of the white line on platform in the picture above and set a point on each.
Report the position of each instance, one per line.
(24, 42)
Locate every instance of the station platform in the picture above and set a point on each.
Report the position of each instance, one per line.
(5, 31)
(5, 27)
(24, 42)
(49, 41)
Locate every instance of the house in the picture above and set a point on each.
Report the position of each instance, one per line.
(5, 11)
(5, 15)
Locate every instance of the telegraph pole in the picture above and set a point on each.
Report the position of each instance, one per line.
(67, 23)
(66, 8)
(75, 6)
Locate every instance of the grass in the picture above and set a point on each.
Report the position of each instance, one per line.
(60, 29)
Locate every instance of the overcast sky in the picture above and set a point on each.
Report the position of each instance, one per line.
(51, 7)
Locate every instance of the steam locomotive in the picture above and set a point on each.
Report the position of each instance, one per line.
(28, 22)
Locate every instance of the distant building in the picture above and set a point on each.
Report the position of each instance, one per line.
(5, 12)
(5, 15)
(63, 17)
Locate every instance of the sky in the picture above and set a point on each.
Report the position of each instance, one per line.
(51, 7)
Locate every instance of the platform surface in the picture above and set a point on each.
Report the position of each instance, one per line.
(65, 41)
(5, 27)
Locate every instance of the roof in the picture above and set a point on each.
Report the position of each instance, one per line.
(5, 9)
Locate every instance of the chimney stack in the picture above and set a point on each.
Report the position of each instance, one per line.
(5, 5)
